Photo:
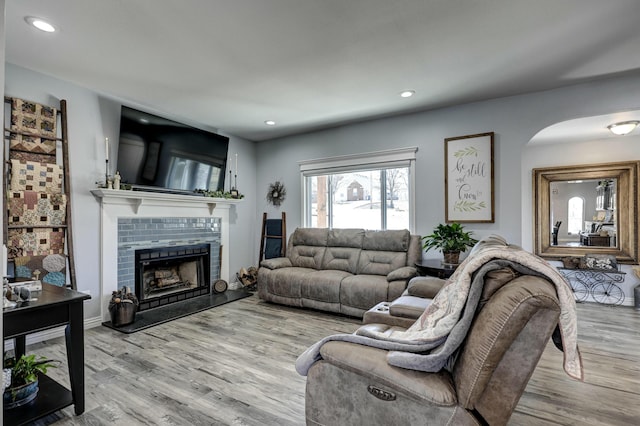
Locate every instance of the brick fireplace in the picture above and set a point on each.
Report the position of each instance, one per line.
(165, 223)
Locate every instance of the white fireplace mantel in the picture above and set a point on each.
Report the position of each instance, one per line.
(136, 199)
(116, 204)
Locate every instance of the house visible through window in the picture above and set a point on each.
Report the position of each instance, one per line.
(372, 191)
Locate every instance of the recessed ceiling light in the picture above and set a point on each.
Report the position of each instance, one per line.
(623, 128)
(270, 123)
(407, 93)
(40, 24)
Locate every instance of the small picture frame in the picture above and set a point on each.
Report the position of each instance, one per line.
(234, 193)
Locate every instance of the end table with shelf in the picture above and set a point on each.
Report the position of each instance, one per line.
(51, 307)
(435, 268)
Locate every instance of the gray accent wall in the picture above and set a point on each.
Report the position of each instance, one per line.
(515, 120)
(93, 116)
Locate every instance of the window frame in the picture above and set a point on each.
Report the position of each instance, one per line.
(378, 160)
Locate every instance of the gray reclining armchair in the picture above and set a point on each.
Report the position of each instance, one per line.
(355, 385)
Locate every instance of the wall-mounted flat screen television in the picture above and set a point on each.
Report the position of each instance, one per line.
(157, 154)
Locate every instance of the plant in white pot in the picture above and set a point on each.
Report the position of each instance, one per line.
(451, 239)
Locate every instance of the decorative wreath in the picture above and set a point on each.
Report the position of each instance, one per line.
(276, 193)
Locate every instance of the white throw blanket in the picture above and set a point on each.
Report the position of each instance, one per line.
(434, 326)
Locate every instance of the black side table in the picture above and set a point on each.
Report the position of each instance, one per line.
(435, 268)
(54, 307)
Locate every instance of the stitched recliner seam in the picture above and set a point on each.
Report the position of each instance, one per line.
(493, 342)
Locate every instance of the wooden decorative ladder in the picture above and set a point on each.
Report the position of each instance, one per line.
(62, 148)
(273, 242)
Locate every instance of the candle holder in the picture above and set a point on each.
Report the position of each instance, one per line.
(234, 192)
(106, 171)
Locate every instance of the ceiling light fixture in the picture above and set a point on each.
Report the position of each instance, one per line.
(40, 24)
(407, 93)
(270, 123)
(623, 128)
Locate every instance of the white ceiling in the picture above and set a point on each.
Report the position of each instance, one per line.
(311, 64)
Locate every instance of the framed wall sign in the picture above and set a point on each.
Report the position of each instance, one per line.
(468, 178)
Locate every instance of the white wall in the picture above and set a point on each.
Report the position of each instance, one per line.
(515, 120)
(91, 118)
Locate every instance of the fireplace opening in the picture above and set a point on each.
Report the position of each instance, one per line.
(167, 275)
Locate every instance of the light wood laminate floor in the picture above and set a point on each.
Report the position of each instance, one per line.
(234, 365)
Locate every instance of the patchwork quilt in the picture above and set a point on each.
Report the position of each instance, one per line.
(36, 208)
(36, 241)
(50, 269)
(31, 176)
(32, 117)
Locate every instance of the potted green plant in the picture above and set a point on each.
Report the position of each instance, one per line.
(451, 239)
(24, 379)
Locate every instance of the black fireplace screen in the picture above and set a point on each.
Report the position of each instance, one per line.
(170, 274)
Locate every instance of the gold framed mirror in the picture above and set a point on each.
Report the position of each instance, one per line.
(590, 208)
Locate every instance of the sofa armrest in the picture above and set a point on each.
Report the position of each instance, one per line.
(371, 363)
(409, 306)
(276, 263)
(426, 287)
(404, 273)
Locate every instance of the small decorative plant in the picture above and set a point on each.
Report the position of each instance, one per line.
(449, 238)
(23, 378)
(26, 369)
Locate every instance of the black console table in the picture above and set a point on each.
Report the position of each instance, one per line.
(54, 307)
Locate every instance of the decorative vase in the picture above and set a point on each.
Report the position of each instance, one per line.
(20, 395)
(122, 313)
(451, 257)
(6, 378)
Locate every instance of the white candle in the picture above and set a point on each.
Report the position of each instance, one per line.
(236, 164)
(106, 149)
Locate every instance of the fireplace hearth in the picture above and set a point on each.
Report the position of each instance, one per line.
(165, 275)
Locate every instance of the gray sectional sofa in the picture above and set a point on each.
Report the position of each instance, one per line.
(340, 270)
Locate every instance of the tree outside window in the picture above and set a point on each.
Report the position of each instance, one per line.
(370, 199)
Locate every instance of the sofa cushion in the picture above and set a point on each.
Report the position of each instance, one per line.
(404, 273)
(310, 237)
(276, 263)
(363, 291)
(285, 282)
(380, 262)
(387, 240)
(341, 259)
(306, 256)
(322, 285)
(345, 238)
